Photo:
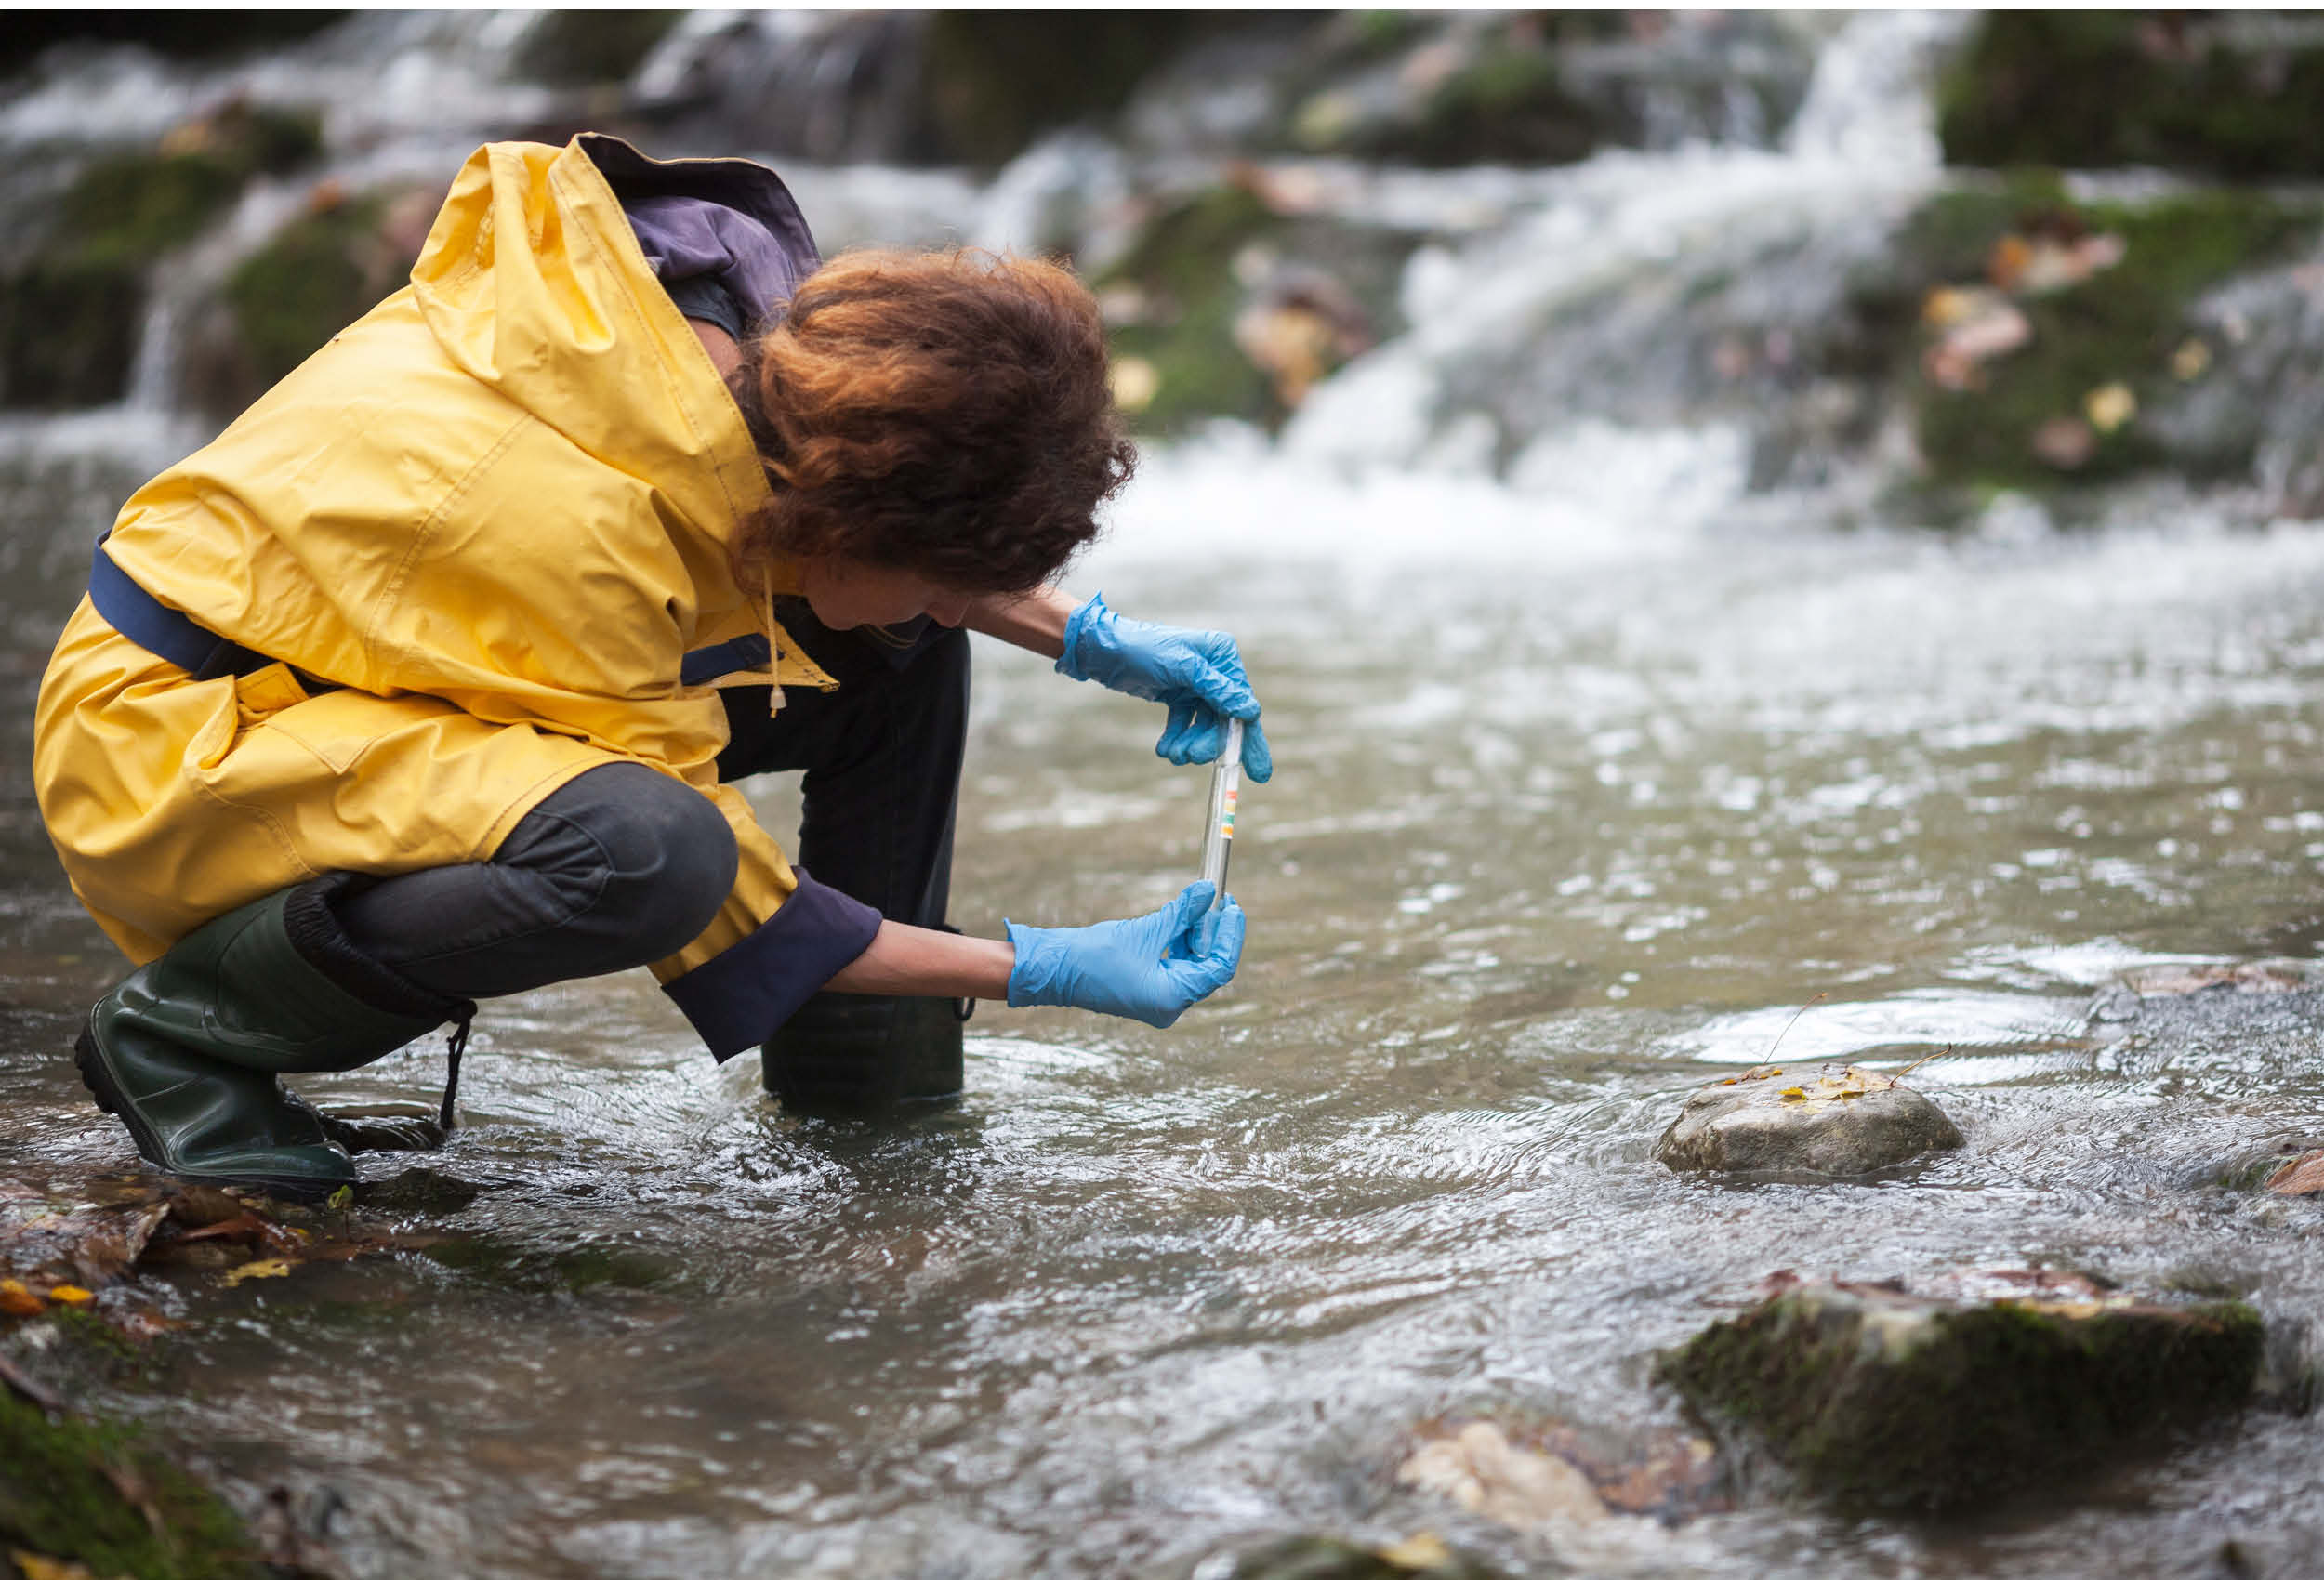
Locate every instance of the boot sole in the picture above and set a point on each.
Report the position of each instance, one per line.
(98, 1077)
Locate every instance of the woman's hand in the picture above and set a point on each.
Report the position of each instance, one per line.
(1197, 675)
(1148, 968)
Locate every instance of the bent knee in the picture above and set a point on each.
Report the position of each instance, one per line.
(664, 854)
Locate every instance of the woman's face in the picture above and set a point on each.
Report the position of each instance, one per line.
(847, 593)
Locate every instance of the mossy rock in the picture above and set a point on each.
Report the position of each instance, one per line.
(1189, 272)
(2123, 324)
(2227, 96)
(64, 1493)
(1878, 1397)
(574, 1269)
(313, 278)
(71, 315)
(994, 81)
(1505, 100)
(187, 34)
(583, 47)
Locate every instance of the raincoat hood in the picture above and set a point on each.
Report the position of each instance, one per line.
(533, 284)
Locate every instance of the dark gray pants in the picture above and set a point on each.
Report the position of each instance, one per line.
(624, 865)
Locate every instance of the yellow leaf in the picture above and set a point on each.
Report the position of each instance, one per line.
(1423, 1549)
(70, 1294)
(340, 1199)
(271, 1267)
(18, 1301)
(1793, 1094)
(35, 1567)
(2110, 406)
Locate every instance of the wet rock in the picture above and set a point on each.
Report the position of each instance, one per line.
(2232, 95)
(1529, 1474)
(1544, 88)
(1956, 1392)
(1480, 1470)
(78, 1491)
(1327, 1557)
(1839, 1123)
(2093, 357)
(331, 264)
(1233, 300)
(72, 306)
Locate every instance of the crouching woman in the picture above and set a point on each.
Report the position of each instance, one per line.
(426, 682)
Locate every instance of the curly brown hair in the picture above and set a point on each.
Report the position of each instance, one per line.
(946, 413)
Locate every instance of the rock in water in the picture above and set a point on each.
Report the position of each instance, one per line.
(1836, 1124)
(1880, 1397)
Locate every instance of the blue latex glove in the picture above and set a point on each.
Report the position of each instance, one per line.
(1198, 675)
(1147, 967)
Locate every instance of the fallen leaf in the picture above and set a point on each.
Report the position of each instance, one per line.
(1423, 1549)
(269, 1267)
(1794, 1093)
(2110, 406)
(70, 1294)
(2302, 1176)
(16, 1300)
(35, 1567)
(2064, 442)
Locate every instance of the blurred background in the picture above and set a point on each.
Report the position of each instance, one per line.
(1727, 511)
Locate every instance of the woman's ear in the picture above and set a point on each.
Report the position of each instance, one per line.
(726, 355)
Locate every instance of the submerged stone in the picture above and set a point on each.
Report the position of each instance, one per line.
(1529, 1473)
(1879, 1396)
(1837, 1123)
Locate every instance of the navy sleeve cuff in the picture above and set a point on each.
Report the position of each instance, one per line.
(737, 1000)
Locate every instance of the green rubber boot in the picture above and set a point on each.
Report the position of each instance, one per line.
(185, 1052)
(853, 1054)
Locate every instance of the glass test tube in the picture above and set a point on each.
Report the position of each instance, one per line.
(1217, 835)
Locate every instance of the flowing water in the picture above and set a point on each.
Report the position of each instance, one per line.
(1587, 780)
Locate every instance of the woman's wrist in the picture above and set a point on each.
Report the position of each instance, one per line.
(1033, 621)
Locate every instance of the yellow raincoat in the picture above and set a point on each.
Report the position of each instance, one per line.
(495, 512)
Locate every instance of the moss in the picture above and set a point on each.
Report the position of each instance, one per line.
(68, 333)
(71, 315)
(574, 1269)
(131, 208)
(1183, 266)
(1511, 106)
(193, 34)
(2120, 326)
(315, 277)
(66, 1491)
(1986, 1397)
(2093, 88)
(581, 47)
(994, 80)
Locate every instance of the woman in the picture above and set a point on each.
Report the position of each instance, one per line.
(423, 682)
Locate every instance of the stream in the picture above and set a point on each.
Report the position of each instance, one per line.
(1591, 782)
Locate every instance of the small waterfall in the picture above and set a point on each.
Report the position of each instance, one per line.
(1868, 101)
